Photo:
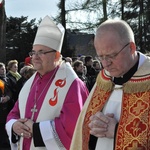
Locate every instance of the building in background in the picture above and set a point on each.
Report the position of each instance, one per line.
(81, 43)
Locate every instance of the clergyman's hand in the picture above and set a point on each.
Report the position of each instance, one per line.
(29, 123)
(102, 125)
(21, 129)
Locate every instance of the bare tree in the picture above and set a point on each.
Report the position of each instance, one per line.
(88, 14)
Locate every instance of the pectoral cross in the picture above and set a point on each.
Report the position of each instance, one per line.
(33, 110)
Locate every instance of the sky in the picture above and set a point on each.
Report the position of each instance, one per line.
(31, 8)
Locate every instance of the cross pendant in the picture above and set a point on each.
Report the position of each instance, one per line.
(33, 110)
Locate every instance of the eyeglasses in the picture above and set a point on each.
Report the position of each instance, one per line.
(110, 57)
(40, 53)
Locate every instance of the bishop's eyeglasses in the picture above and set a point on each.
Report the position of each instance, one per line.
(40, 53)
(111, 57)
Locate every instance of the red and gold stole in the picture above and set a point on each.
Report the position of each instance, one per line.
(99, 98)
(134, 126)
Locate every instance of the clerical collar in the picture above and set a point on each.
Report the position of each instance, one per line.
(126, 76)
(48, 73)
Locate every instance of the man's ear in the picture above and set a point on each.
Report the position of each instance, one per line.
(57, 55)
(132, 47)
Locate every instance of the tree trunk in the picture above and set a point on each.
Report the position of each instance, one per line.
(105, 9)
(63, 21)
(2, 32)
(141, 25)
(122, 9)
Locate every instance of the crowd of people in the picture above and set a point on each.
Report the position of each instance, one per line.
(10, 85)
(86, 67)
(79, 103)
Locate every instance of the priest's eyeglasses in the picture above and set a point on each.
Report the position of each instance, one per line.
(40, 53)
(110, 57)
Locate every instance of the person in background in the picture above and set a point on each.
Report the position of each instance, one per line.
(79, 68)
(97, 66)
(82, 58)
(116, 115)
(74, 59)
(91, 73)
(12, 68)
(14, 76)
(45, 115)
(26, 72)
(5, 100)
(28, 61)
(20, 65)
(69, 59)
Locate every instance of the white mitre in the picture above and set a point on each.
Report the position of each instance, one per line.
(49, 34)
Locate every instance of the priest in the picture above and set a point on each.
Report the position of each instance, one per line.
(116, 115)
(45, 115)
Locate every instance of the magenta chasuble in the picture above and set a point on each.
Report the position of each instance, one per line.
(61, 103)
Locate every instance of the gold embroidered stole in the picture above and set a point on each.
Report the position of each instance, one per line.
(100, 96)
(134, 126)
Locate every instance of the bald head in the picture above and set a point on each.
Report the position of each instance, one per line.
(118, 27)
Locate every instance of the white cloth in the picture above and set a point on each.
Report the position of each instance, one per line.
(113, 106)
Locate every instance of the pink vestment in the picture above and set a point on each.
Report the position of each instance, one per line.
(66, 121)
